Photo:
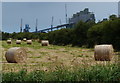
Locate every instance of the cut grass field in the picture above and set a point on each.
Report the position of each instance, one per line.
(58, 63)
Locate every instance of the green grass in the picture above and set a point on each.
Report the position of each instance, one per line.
(35, 57)
(99, 73)
(34, 45)
(43, 53)
(79, 55)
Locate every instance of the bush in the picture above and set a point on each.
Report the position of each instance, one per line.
(106, 32)
(60, 37)
(80, 34)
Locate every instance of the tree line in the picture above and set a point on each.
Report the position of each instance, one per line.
(82, 34)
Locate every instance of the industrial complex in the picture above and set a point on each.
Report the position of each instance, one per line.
(84, 16)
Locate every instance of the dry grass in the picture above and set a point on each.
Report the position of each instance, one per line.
(47, 58)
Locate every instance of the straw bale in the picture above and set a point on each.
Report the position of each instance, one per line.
(24, 39)
(18, 41)
(9, 41)
(16, 55)
(44, 42)
(29, 41)
(103, 52)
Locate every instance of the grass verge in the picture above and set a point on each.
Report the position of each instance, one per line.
(98, 73)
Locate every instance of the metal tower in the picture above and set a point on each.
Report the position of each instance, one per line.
(21, 26)
(52, 23)
(60, 21)
(66, 12)
(36, 30)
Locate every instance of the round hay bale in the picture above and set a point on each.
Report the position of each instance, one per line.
(18, 41)
(24, 39)
(9, 41)
(16, 55)
(103, 52)
(29, 41)
(44, 42)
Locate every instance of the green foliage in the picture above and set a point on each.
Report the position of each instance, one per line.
(94, 35)
(111, 33)
(60, 37)
(106, 32)
(80, 34)
(43, 36)
(97, 73)
(112, 17)
(5, 35)
(20, 35)
(12, 77)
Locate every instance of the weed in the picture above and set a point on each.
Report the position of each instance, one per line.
(80, 55)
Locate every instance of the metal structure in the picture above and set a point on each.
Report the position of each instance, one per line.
(66, 12)
(27, 27)
(36, 30)
(60, 21)
(57, 27)
(52, 23)
(21, 26)
(84, 16)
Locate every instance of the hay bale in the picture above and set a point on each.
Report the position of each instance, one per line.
(16, 55)
(29, 41)
(103, 52)
(9, 41)
(24, 39)
(18, 41)
(44, 42)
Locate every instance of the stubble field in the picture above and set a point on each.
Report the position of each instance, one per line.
(52, 58)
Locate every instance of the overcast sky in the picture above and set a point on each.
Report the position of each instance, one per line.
(12, 12)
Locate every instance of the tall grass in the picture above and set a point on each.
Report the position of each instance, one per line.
(98, 73)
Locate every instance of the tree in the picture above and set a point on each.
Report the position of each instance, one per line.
(80, 34)
(95, 34)
(60, 37)
(112, 17)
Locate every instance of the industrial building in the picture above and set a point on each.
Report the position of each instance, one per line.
(84, 16)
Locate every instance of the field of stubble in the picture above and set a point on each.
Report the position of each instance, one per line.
(59, 63)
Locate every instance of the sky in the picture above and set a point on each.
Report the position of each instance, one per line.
(60, 0)
(0, 16)
(12, 12)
